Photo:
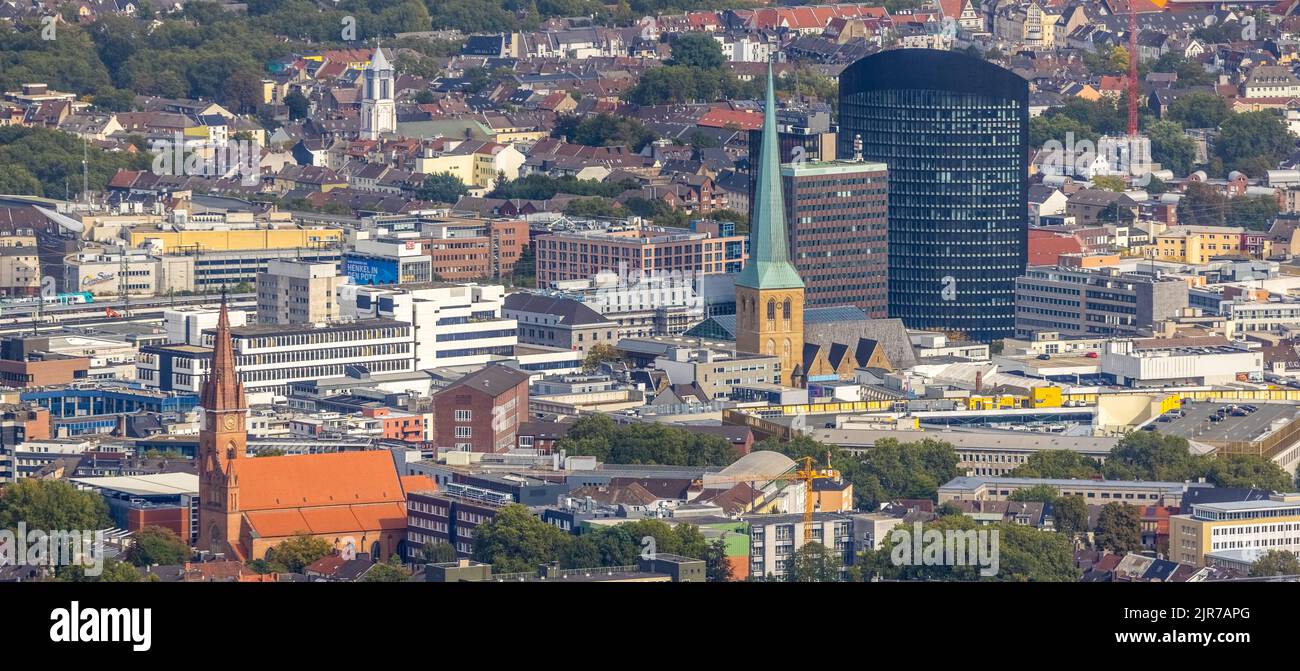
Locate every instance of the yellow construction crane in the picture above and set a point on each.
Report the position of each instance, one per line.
(806, 472)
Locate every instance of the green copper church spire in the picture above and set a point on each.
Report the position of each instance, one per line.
(769, 264)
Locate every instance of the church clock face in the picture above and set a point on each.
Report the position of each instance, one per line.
(229, 422)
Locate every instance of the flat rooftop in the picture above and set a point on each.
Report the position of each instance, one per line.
(1028, 441)
(1258, 425)
(1238, 506)
(253, 330)
(973, 482)
(159, 484)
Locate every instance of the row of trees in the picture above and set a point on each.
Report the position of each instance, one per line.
(539, 186)
(889, 470)
(641, 443)
(1119, 527)
(1150, 455)
(42, 162)
(1251, 142)
(516, 541)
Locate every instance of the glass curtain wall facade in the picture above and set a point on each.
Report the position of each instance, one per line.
(954, 132)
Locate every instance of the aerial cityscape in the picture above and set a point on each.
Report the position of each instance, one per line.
(488, 291)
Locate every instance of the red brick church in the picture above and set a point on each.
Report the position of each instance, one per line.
(354, 500)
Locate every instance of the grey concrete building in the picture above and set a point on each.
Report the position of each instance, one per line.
(298, 292)
(559, 322)
(1080, 302)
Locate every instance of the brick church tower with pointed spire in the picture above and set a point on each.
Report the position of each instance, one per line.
(769, 291)
(223, 440)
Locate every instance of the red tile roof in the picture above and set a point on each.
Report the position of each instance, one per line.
(1046, 248)
(721, 117)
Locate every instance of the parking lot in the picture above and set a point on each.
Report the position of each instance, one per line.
(1197, 425)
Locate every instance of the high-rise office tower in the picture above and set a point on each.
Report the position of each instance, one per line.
(954, 131)
(837, 216)
(835, 212)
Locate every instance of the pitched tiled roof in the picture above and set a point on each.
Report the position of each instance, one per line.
(333, 479)
(570, 312)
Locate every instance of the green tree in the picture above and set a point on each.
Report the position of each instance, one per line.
(599, 436)
(1058, 464)
(717, 567)
(297, 552)
(1199, 110)
(16, 180)
(1070, 514)
(606, 130)
(389, 571)
(1246, 470)
(51, 505)
(440, 552)
(1253, 142)
(299, 106)
(538, 186)
(598, 354)
(516, 541)
(1024, 554)
(698, 50)
(113, 571)
(55, 159)
(1060, 128)
(1110, 183)
(599, 208)
(157, 545)
(1275, 563)
(814, 562)
(1252, 212)
(1150, 455)
(1191, 73)
(949, 508)
(1119, 528)
(1202, 205)
(1039, 493)
(442, 187)
(1171, 148)
(888, 471)
(524, 273)
(1114, 213)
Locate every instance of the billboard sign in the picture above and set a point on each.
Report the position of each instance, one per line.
(365, 271)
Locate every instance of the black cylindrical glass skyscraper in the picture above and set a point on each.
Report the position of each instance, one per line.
(954, 131)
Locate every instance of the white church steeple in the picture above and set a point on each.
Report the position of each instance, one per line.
(378, 111)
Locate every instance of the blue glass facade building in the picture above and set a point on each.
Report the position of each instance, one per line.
(954, 132)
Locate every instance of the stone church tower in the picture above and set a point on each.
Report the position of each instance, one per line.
(769, 291)
(378, 110)
(222, 442)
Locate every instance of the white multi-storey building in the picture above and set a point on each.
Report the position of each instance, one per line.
(271, 357)
(453, 324)
(1163, 366)
(1261, 317)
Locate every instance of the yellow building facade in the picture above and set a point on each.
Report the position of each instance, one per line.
(236, 240)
